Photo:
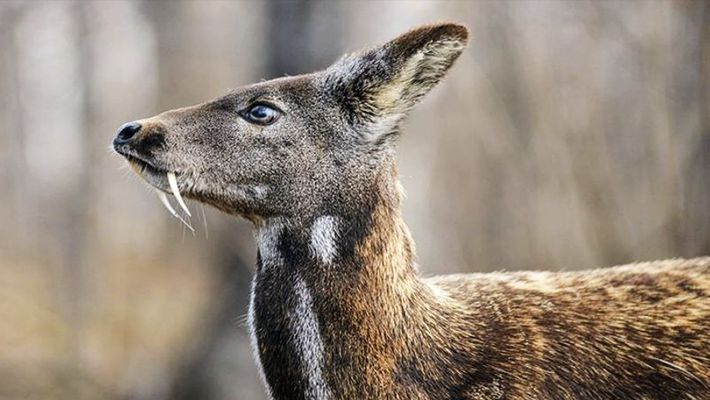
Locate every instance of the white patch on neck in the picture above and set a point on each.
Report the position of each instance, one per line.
(255, 341)
(260, 192)
(306, 334)
(324, 235)
(267, 238)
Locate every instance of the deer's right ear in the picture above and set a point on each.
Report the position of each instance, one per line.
(377, 87)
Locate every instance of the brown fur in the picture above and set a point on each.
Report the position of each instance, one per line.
(614, 333)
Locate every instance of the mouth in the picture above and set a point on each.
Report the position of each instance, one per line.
(144, 168)
(163, 181)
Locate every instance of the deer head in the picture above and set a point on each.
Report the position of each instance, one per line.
(297, 146)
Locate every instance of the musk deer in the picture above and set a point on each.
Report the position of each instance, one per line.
(338, 309)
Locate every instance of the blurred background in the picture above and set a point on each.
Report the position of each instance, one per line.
(569, 135)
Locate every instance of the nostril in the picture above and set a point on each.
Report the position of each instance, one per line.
(126, 132)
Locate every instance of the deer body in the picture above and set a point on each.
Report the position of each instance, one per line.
(338, 309)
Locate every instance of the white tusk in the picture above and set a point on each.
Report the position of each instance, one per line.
(172, 180)
(164, 199)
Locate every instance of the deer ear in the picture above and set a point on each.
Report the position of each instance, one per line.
(378, 86)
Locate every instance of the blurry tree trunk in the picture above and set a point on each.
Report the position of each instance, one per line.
(304, 36)
(12, 159)
(75, 232)
(697, 224)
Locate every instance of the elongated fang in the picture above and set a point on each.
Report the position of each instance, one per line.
(172, 180)
(164, 199)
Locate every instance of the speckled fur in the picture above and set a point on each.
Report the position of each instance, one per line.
(338, 308)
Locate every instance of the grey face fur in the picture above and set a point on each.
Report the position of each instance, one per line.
(332, 140)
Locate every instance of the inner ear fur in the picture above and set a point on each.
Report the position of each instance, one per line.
(378, 86)
(423, 56)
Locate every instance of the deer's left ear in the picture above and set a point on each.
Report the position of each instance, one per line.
(377, 87)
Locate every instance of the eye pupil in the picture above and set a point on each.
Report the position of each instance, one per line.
(261, 114)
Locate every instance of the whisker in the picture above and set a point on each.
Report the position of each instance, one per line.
(189, 223)
(242, 319)
(204, 220)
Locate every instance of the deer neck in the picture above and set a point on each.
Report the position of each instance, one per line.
(353, 238)
(334, 289)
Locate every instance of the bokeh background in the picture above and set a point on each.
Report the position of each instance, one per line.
(569, 135)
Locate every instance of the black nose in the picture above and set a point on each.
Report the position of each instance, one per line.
(126, 132)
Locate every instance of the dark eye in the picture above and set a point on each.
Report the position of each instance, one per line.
(261, 114)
